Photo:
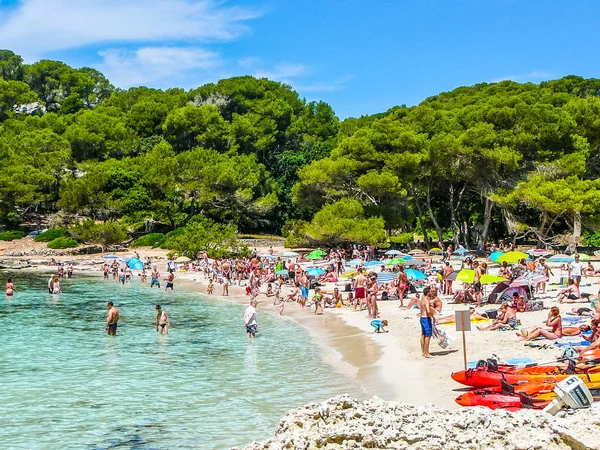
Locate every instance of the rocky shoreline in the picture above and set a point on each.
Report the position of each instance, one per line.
(345, 423)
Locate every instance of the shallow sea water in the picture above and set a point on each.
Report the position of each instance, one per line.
(67, 384)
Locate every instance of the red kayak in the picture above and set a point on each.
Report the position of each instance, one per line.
(534, 396)
(484, 378)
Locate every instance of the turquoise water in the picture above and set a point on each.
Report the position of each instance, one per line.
(67, 384)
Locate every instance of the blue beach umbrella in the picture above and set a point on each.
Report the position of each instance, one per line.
(290, 254)
(373, 263)
(110, 257)
(135, 264)
(495, 255)
(125, 260)
(282, 272)
(315, 271)
(413, 274)
(353, 263)
(386, 277)
(561, 259)
(461, 251)
(393, 252)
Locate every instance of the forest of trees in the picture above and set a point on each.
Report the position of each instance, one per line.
(491, 161)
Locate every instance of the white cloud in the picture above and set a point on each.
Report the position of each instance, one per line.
(38, 26)
(283, 72)
(156, 66)
(535, 75)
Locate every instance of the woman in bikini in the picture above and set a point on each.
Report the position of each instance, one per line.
(554, 321)
(162, 321)
(10, 287)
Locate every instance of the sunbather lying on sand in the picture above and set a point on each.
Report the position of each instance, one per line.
(506, 318)
(554, 321)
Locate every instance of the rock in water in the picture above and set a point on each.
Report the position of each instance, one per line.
(345, 423)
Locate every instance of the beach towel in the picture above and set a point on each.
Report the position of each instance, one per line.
(572, 341)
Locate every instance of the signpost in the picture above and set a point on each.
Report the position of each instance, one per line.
(463, 323)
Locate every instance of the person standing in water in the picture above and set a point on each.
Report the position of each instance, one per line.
(70, 269)
(10, 287)
(162, 321)
(250, 319)
(169, 280)
(155, 275)
(56, 286)
(111, 319)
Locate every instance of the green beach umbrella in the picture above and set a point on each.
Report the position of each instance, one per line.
(395, 261)
(487, 279)
(315, 254)
(466, 276)
(584, 257)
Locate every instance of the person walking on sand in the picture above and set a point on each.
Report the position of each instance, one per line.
(111, 319)
(402, 285)
(426, 320)
(360, 292)
(162, 321)
(250, 319)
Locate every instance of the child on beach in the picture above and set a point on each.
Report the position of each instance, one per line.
(378, 325)
(209, 289)
(318, 301)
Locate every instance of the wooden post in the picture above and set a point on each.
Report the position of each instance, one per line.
(462, 318)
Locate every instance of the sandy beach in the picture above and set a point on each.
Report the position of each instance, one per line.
(388, 365)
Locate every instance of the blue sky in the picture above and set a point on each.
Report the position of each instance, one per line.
(360, 56)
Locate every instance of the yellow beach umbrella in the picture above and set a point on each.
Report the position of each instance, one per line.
(512, 257)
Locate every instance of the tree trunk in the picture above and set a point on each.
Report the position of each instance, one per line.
(432, 216)
(542, 235)
(487, 218)
(574, 239)
(421, 223)
(465, 234)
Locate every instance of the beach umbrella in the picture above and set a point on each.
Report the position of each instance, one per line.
(414, 263)
(525, 281)
(386, 277)
(487, 279)
(315, 271)
(393, 252)
(495, 255)
(561, 258)
(512, 257)
(373, 263)
(413, 274)
(349, 274)
(466, 275)
(584, 257)
(315, 254)
(461, 251)
(452, 276)
(282, 272)
(538, 252)
(354, 262)
(135, 264)
(125, 260)
(436, 251)
(290, 254)
(416, 252)
(182, 259)
(111, 257)
(596, 252)
(395, 261)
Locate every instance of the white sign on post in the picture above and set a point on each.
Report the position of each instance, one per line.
(463, 323)
(463, 320)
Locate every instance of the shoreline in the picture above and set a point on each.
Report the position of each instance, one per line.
(342, 345)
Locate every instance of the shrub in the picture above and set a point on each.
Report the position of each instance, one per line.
(62, 242)
(591, 239)
(107, 233)
(50, 235)
(150, 240)
(11, 235)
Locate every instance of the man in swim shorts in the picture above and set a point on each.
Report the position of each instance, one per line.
(169, 280)
(360, 292)
(155, 278)
(162, 321)
(250, 319)
(426, 322)
(111, 319)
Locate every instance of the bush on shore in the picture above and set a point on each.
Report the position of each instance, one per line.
(50, 235)
(150, 240)
(62, 242)
(11, 235)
